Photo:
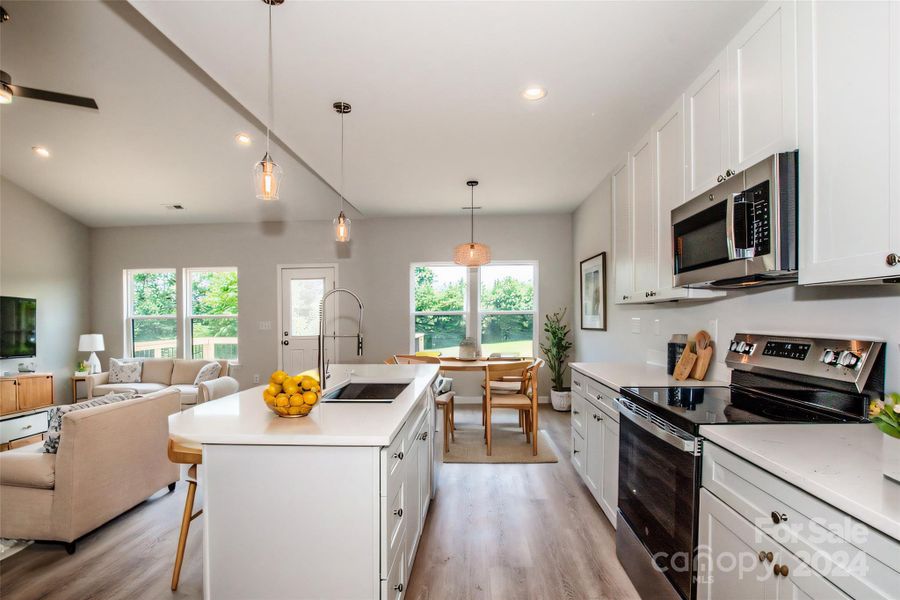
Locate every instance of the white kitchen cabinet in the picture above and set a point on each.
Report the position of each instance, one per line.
(609, 488)
(762, 95)
(593, 466)
(578, 452)
(706, 143)
(622, 257)
(849, 99)
(643, 207)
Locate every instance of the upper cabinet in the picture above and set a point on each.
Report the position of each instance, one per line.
(621, 206)
(644, 223)
(849, 99)
(743, 107)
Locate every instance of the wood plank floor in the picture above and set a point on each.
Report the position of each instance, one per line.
(498, 532)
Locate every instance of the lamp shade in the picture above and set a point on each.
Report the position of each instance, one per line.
(91, 342)
(472, 254)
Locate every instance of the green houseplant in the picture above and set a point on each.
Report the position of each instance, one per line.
(885, 414)
(556, 348)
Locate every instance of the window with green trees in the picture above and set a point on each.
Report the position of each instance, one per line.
(439, 311)
(506, 308)
(152, 315)
(213, 313)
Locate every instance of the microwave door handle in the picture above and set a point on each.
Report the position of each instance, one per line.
(653, 429)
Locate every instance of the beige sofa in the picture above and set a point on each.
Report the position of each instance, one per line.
(158, 374)
(110, 458)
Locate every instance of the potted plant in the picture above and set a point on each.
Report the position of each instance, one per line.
(556, 349)
(886, 416)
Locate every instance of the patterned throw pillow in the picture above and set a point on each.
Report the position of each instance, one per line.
(51, 444)
(208, 372)
(124, 372)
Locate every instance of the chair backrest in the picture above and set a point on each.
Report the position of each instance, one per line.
(217, 388)
(507, 356)
(412, 359)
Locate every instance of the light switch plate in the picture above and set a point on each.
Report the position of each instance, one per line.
(265, 325)
(635, 324)
(655, 326)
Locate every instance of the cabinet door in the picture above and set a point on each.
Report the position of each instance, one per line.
(7, 396)
(35, 392)
(728, 548)
(579, 454)
(593, 465)
(624, 265)
(706, 143)
(762, 64)
(669, 193)
(849, 98)
(424, 443)
(413, 491)
(609, 490)
(802, 582)
(643, 207)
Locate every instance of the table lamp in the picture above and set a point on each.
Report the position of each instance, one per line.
(93, 343)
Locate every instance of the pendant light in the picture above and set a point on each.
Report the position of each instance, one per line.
(267, 173)
(472, 254)
(342, 222)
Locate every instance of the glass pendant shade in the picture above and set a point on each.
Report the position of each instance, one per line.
(267, 174)
(342, 228)
(472, 254)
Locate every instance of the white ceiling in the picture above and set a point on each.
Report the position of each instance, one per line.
(164, 133)
(434, 87)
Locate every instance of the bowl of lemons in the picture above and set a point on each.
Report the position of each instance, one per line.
(292, 396)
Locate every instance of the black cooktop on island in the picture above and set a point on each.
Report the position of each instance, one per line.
(691, 407)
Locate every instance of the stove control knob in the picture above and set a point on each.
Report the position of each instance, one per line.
(848, 359)
(829, 357)
(741, 346)
(748, 348)
(733, 346)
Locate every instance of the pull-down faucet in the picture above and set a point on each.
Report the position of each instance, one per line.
(323, 366)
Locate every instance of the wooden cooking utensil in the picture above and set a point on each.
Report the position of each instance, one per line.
(685, 364)
(704, 355)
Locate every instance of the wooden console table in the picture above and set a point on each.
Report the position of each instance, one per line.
(22, 397)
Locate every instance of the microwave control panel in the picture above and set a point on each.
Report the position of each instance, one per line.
(758, 196)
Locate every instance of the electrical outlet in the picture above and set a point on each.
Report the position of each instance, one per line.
(256, 379)
(635, 324)
(655, 326)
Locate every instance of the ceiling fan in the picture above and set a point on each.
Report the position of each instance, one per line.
(8, 91)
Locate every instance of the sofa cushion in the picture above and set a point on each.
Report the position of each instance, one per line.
(137, 388)
(124, 372)
(56, 414)
(188, 393)
(158, 370)
(207, 372)
(28, 466)
(185, 371)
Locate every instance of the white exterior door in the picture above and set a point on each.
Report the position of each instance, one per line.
(301, 294)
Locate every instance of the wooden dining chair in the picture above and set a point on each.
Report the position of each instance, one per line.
(443, 401)
(525, 401)
(509, 385)
(413, 359)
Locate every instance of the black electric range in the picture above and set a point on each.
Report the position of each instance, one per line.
(774, 379)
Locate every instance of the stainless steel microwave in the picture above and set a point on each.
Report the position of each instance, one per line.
(741, 233)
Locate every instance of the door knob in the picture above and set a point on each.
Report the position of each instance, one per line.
(720, 178)
(285, 342)
(892, 259)
(778, 517)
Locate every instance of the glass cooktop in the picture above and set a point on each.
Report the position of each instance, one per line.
(691, 407)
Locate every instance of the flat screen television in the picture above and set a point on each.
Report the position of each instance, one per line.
(18, 327)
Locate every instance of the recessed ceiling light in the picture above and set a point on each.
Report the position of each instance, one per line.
(534, 92)
(41, 151)
(243, 139)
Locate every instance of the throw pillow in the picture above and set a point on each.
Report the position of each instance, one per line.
(51, 444)
(208, 372)
(124, 372)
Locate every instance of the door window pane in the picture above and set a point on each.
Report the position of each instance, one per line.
(507, 287)
(440, 289)
(442, 333)
(153, 336)
(212, 335)
(507, 334)
(306, 296)
(153, 293)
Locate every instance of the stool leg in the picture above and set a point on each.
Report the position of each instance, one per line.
(182, 537)
(446, 416)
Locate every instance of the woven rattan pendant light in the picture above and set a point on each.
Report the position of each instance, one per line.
(472, 254)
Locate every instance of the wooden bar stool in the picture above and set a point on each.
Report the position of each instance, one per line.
(185, 455)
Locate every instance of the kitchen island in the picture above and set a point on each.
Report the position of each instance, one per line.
(327, 506)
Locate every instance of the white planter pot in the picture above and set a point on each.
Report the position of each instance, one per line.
(561, 401)
(890, 457)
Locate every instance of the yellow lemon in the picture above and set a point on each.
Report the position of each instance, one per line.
(304, 410)
(310, 398)
(267, 395)
(315, 388)
(281, 410)
(296, 400)
(290, 388)
(274, 389)
(270, 400)
(308, 383)
(282, 400)
(295, 410)
(278, 377)
(298, 379)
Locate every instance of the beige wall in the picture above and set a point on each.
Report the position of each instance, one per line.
(45, 254)
(376, 265)
(842, 311)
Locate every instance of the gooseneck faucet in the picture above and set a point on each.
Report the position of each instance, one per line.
(323, 366)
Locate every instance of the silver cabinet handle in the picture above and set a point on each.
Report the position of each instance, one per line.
(720, 178)
(398, 455)
(892, 259)
(27, 427)
(399, 512)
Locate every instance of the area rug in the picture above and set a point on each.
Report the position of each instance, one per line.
(507, 445)
(10, 547)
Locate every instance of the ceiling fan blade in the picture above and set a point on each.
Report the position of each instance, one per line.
(24, 92)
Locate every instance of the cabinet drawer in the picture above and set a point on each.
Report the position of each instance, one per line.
(20, 427)
(393, 518)
(393, 587)
(603, 397)
(578, 383)
(579, 409)
(862, 561)
(26, 441)
(392, 465)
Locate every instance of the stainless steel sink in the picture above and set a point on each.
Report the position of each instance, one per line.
(366, 392)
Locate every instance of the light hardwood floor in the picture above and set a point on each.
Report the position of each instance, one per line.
(498, 532)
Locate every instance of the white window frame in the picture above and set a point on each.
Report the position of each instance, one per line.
(189, 316)
(466, 312)
(534, 311)
(130, 317)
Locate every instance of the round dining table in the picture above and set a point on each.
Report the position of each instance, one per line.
(479, 364)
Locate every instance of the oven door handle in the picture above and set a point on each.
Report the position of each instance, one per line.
(653, 429)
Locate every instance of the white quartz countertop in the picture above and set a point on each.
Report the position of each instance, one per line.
(838, 463)
(619, 375)
(244, 418)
